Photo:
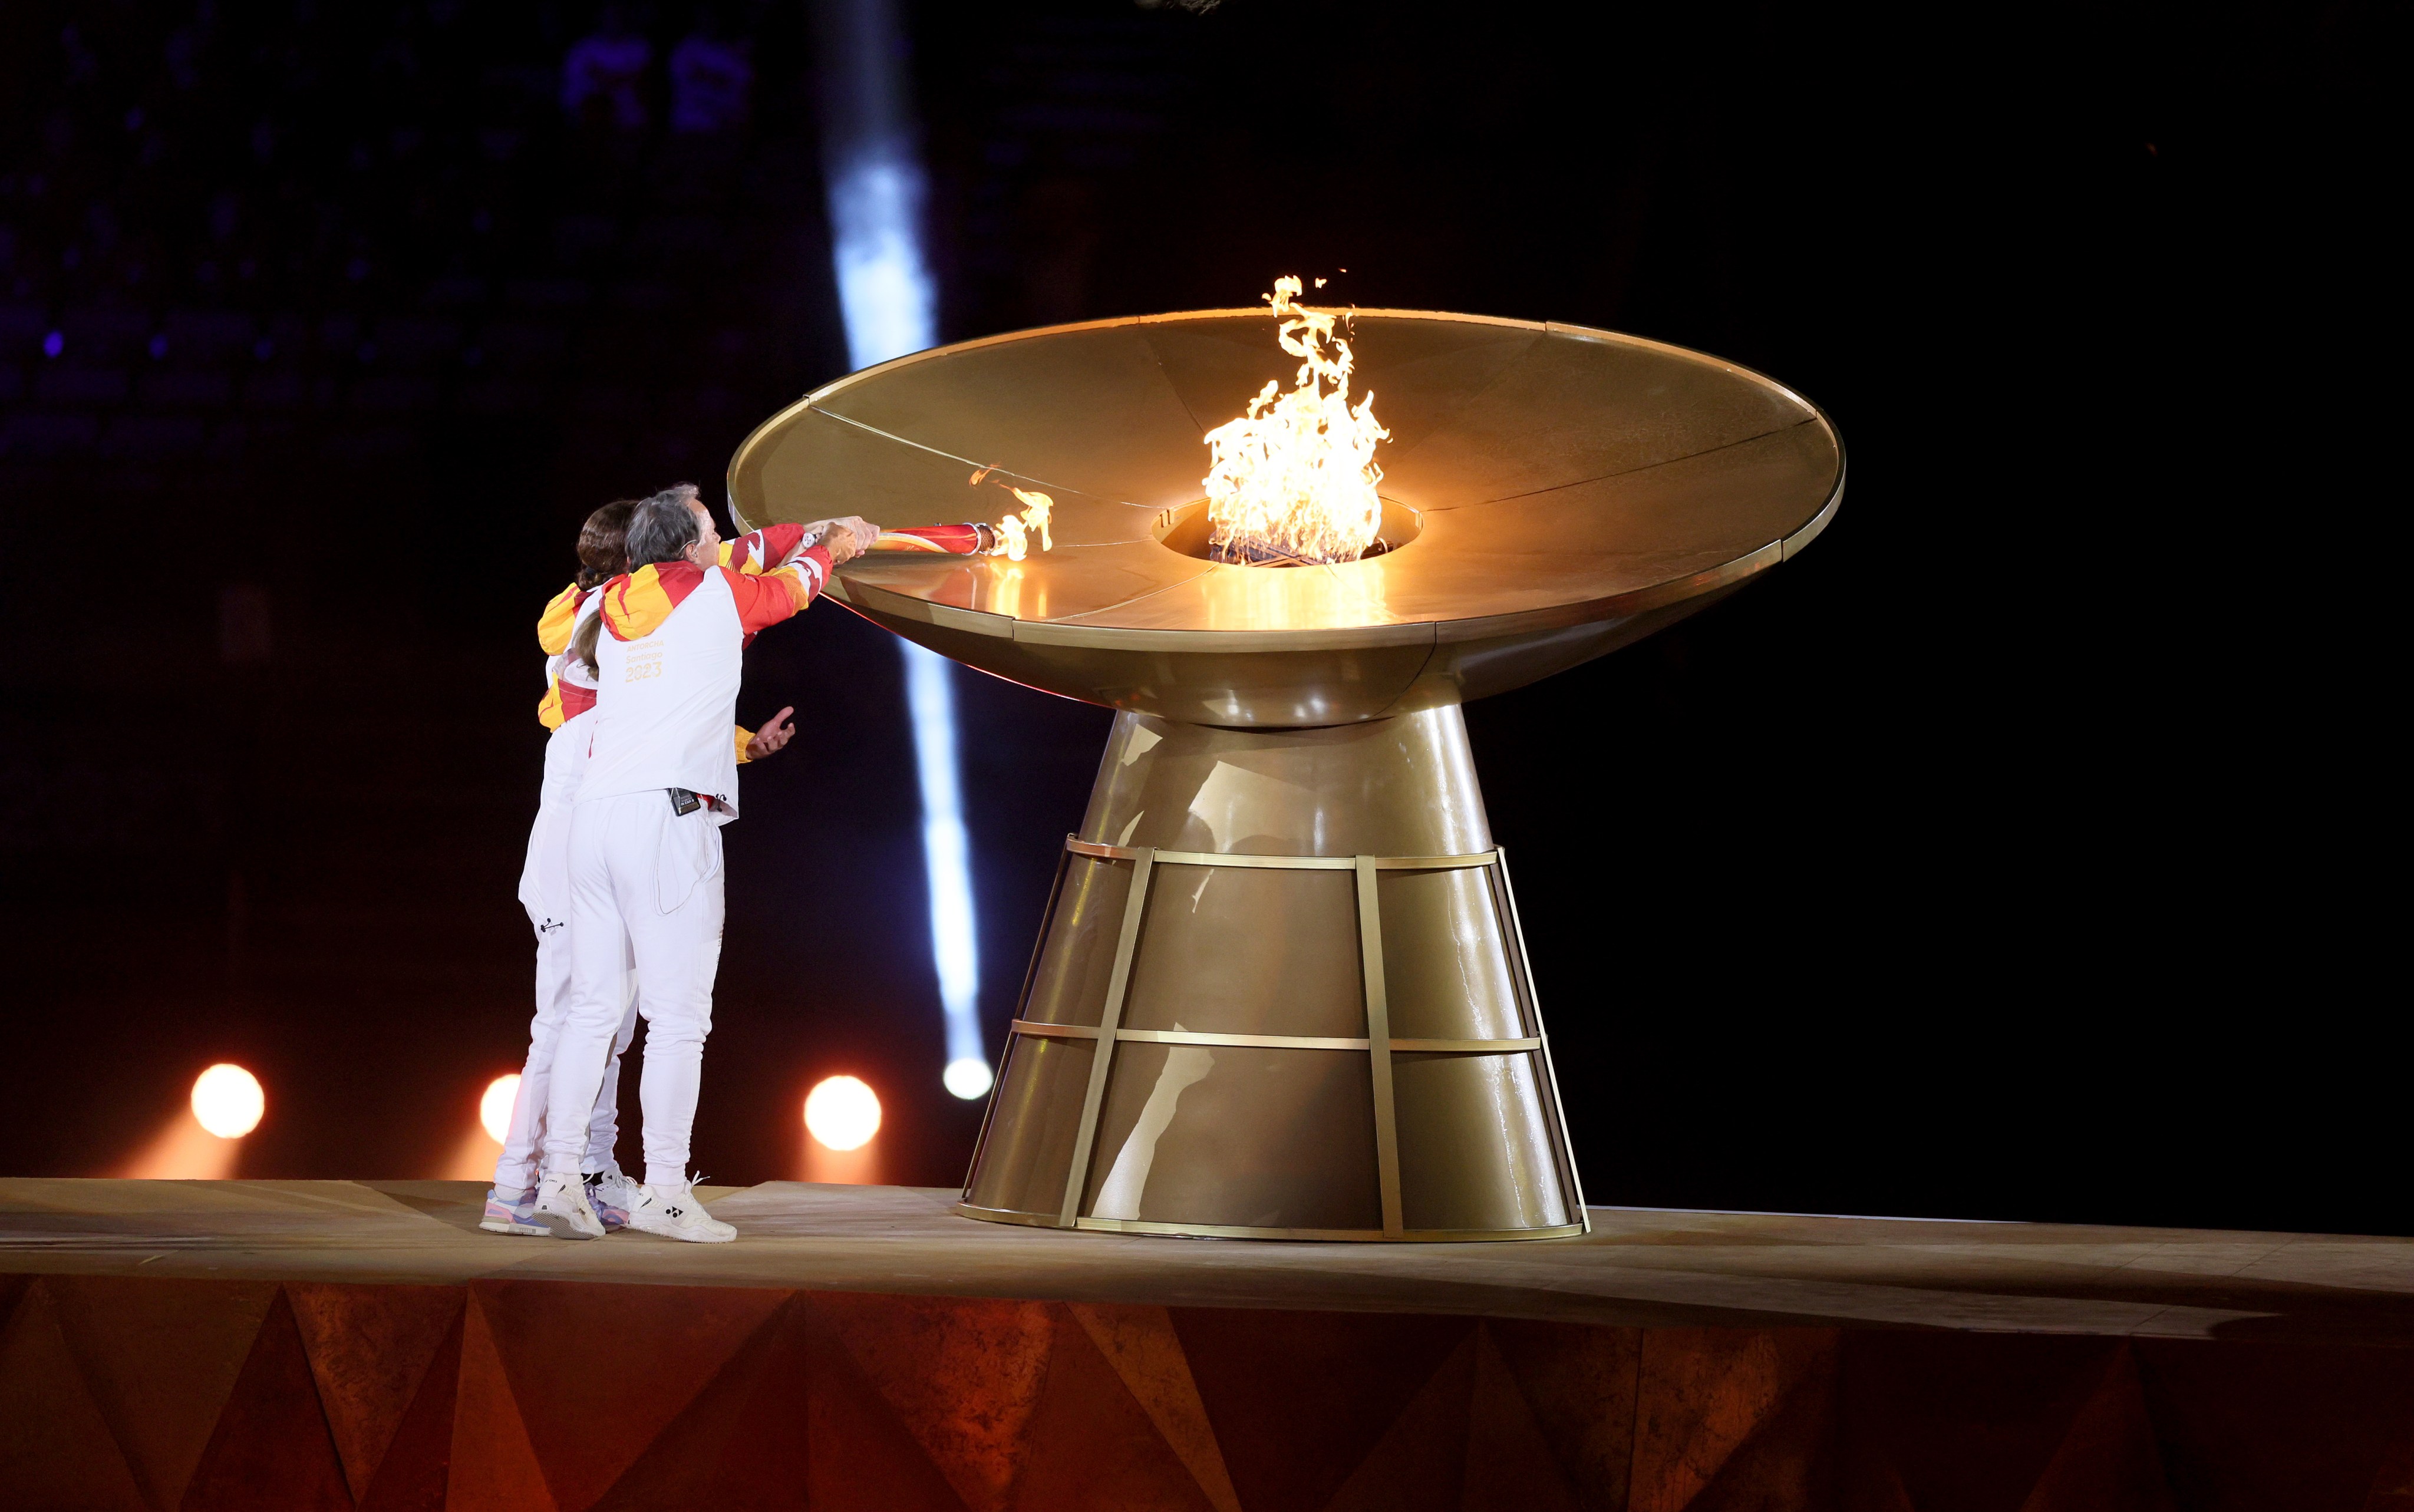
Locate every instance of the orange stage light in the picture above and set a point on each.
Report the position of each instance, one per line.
(841, 1116)
(228, 1101)
(202, 1140)
(842, 1112)
(494, 1108)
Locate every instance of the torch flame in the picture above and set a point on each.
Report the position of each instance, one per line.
(1035, 517)
(1015, 531)
(1294, 478)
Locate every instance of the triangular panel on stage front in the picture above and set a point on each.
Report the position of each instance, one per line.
(1511, 1465)
(1579, 1381)
(1139, 1342)
(1093, 1446)
(1298, 1400)
(160, 1354)
(55, 1447)
(1420, 1462)
(270, 1446)
(742, 1445)
(492, 1463)
(369, 1347)
(1731, 1416)
(414, 1473)
(962, 1375)
(599, 1370)
(2108, 1456)
(861, 1456)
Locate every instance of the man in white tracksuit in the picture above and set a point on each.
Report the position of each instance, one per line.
(566, 632)
(644, 840)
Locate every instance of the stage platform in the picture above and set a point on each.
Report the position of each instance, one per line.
(272, 1343)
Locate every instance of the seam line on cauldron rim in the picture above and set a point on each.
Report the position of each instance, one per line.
(1000, 467)
(1623, 472)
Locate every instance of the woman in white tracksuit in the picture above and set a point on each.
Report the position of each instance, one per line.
(567, 710)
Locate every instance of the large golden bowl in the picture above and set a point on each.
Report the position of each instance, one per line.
(1572, 490)
(1280, 990)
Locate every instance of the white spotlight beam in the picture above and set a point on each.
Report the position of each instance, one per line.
(875, 187)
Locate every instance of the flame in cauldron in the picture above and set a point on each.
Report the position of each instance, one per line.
(1293, 479)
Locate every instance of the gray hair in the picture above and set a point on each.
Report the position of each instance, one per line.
(662, 527)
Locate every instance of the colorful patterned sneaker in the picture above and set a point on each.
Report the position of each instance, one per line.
(674, 1213)
(561, 1206)
(612, 1195)
(514, 1214)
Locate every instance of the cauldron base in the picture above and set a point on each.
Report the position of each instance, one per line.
(1280, 993)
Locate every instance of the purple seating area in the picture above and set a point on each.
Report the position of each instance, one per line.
(239, 237)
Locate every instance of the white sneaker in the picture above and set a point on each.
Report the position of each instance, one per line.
(561, 1207)
(612, 1194)
(674, 1213)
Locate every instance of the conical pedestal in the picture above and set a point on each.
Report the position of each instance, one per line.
(1280, 993)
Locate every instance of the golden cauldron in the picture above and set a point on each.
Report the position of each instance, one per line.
(1280, 989)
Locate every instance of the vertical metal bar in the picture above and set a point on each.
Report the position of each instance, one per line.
(1378, 1045)
(1534, 1008)
(1110, 1017)
(1021, 1003)
(1047, 922)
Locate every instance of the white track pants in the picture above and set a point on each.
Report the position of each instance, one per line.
(645, 885)
(522, 1142)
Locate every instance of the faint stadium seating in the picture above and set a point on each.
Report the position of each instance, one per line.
(21, 330)
(103, 333)
(73, 384)
(152, 436)
(47, 433)
(206, 339)
(415, 340)
(186, 389)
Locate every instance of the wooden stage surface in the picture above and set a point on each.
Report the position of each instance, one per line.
(1637, 1268)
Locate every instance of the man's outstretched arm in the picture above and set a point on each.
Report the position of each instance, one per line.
(765, 599)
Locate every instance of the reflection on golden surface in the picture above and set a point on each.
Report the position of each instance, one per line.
(1013, 590)
(1299, 597)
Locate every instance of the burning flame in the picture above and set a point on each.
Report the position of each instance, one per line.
(1293, 479)
(1014, 532)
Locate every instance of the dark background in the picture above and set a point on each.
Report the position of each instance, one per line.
(1983, 862)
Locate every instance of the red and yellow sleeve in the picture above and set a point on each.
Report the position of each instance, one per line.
(762, 551)
(560, 617)
(771, 596)
(548, 708)
(745, 738)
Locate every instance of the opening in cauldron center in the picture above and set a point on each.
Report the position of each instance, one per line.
(1183, 528)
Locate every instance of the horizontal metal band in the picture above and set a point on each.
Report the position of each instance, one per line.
(1008, 1215)
(1278, 863)
(1053, 1032)
(1259, 1042)
(1401, 1047)
(1349, 1235)
(1272, 1042)
(1228, 1231)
